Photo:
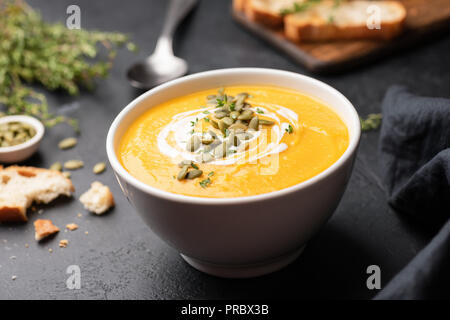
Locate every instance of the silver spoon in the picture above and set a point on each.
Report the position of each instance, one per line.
(162, 65)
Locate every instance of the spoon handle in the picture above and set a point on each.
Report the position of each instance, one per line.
(178, 9)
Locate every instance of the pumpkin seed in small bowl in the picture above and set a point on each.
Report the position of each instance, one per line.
(19, 137)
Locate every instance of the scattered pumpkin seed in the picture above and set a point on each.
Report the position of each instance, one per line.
(205, 183)
(183, 173)
(67, 143)
(204, 157)
(73, 164)
(66, 174)
(194, 174)
(57, 166)
(99, 168)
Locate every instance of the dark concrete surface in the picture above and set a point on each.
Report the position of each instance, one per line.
(120, 258)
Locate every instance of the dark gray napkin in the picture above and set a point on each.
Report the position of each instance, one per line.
(415, 165)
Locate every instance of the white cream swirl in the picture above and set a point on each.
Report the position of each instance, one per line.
(173, 138)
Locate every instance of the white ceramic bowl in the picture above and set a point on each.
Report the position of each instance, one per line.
(245, 236)
(24, 150)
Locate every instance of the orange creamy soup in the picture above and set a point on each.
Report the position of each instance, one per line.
(233, 142)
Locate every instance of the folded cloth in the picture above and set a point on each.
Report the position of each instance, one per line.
(427, 276)
(414, 153)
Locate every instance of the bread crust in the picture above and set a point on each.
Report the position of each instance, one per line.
(318, 31)
(10, 212)
(239, 5)
(264, 17)
(44, 228)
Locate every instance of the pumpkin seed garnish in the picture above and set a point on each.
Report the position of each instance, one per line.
(57, 166)
(99, 168)
(183, 172)
(194, 174)
(185, 163)
(246, 115)
(266, 122)
(254, 123)
(260, 111)
(73, 164)
(211, 174)
(68, 143)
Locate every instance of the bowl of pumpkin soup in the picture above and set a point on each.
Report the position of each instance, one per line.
(236, 168)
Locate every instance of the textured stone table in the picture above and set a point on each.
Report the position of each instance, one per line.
(120, 257)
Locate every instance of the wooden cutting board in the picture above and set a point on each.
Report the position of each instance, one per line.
(425, 18)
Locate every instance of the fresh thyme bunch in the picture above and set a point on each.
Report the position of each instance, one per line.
(32, 50)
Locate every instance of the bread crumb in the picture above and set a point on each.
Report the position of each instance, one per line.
(44, 228)
(13, 277)
(79, 215)
(63, 243)
(72, 226)
(40, 211)
(26, 245)
(86, 232)
(50, 250)
(98, 199)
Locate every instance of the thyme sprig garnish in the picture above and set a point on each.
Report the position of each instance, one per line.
(372, 122)
(32, 50)
(303, 6)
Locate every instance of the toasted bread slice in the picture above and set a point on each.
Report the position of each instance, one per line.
(327, 21)
(268, 12)
(98, 198)
(44, 228)
(239, 5)
(20, 186)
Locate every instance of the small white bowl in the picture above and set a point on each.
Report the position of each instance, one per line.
(244, 236)
(24, 150)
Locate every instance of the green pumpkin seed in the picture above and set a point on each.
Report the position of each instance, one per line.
(204, 157)
(244, 136)
(207, 140)
(234, 115)
(266, 122)
(246, 115)
(214, 123)
(220, 114)
(254, 123)
(225, 123)
(238, 127)
(67, 143)
(183, 173)
(73, 164)
(194, 174)
(185, 163)
(99, 168)
(57, 166)
(66, 174)
(193, 143)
